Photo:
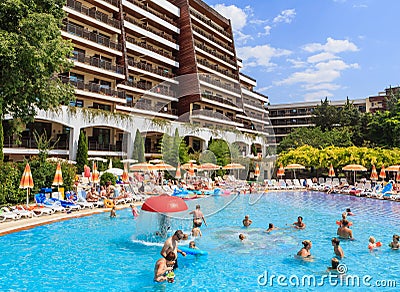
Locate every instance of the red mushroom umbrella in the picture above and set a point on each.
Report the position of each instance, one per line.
(164, 204)
(374, 174)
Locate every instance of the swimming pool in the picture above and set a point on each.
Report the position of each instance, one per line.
(99, 253)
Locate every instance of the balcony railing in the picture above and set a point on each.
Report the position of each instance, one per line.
(214, 53)
(30, 143)
(154, 108)
(93, 87)
(218, 99)
(210, 23)
(146, 86)
(93, 145)
(92, 12)
(113, 2)
(91, 36)
(150, 29)
(204, 62)
(99, 63)
(218, 83)
(152, 11)
(150, 69)
(253, 103)
(150, 48)
(211, 38)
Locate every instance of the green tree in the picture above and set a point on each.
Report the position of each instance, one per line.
(32, 53)
(221, 150)
(82, 153)
(105, 177)
(325, 116)
(138, 147)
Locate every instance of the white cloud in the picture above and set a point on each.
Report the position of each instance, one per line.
(260, 55)
(297, 63)
(331, 46)
(267, 31)
(241, 38)
(321, 86)
(258, 21)
(317, 95)
(285, 16)
(237, 15)
(321, 57)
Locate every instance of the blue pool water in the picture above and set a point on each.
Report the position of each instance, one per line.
(97, 253)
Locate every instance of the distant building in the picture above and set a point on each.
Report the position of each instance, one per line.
(379, 102)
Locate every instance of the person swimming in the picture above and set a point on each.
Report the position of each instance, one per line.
(395, 243)
(373, 243)
(304, 252)
(242, 236)
(344, 231)
(271, 227)
(349, 213)
(334, 265)
(336, 248)
(246, 221)
(299, 224)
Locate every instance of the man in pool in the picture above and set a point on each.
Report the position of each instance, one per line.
(338, 250)
(163, 266)
(305, 250)
(299, 224)
(198, 217)
(171, 244)
(344, 231)
(246, 221)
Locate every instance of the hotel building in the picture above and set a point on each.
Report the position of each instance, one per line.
(131, 58)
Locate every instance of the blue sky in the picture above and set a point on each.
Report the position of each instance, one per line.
(305, 50)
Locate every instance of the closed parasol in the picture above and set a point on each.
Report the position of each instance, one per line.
(374, 173)
(95, 174)
(382, 173)
(26, 181)
(58, 179)
(331, 172)
(257, 170)
(281, 171)
(178, 174)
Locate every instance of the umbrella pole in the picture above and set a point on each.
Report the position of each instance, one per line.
(27, 197)
(354, 177)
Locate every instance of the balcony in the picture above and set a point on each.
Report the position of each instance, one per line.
(219, 84)
(150, 48)
(218, 99)
(145, 86)
(211, 38)
(209, 23)
(150, 29)
(150, 69)
(93, 13)
(93, 87)
(152, 11)
(225, 72)
(30, 143)
(154, 108)
(99, 63)
(91, 36)
(214, 53)
(94, 145)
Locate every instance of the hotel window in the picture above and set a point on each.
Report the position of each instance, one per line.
(100, 106)
(129, 100)
(196, 107)
(78, 54)
(74, 77)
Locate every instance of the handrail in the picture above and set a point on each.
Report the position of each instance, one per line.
(210, 37)
(218, 99)
(151, 69)
(86, 34)
(159, 33)
(92, 12)
(145, 86)
(150, 48)
(214, 53)
(99, 63)
(219, 84)
(215, 68)
(145, 7)
(209, 22)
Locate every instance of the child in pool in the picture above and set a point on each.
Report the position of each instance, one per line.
(372, 243)
(192, 245)
(334, 265)
(395, 243)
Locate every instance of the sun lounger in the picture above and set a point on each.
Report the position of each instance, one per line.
(5, 214)
(22, 212)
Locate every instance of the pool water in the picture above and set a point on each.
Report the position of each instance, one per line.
(98, 253)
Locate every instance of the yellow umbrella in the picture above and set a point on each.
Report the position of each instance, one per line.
(354, 168)
(293, 167)
(26, 181)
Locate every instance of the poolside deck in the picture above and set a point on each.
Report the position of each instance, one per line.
(23, 224)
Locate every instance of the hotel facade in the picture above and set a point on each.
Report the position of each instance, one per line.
(152, 66)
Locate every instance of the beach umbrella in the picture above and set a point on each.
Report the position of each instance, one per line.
(354, 168)
(331, 172)
(398, 176)
(178, 174)
(257, 170)
(281, 171)
(110, 164)
(125, 176)
(58, 179)
(234, 166)
(393, 168)
(382, 173)
(293, 167)
(164, 204)
(26, 181)
(188, 165)
(144, 166)
(208, 166)
(129, 160)
(163, 166)
(86, 171)
(95, 174)
(115, 171)
(374, 174)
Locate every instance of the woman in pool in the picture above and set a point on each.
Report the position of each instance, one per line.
(395, 243)
(305, 250)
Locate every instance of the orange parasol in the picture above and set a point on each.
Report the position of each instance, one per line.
(142, 167)
(293, 167)
(26, 181)
(178, 172)
(374, 174)
(86, 171)
(354, 168)
(398, 176)
(257, 170)
(382, 173)
(208, 166)
(58, 179)
(124, 176)
(281, 171)
(331, 172)
(95, 174)
(163, 166)
(233, 166)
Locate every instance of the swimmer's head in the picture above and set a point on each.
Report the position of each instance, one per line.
(307, 243)
(171, 256)
(335, 263)
(179, 234)
(241, 236)
(348, 210)
(270, 225)
(299, 218)
(335, 241)
(371, 239)
(246, 217)
(192, 244)
(345, 222)
(197, 206)
(344, 215)
(396, 237)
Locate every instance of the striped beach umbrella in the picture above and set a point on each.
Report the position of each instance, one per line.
(382, 173)
(178, 174)
(331, 172)
(374, 173)
(86, 171)
(125, 176)
(257, 170)
(95, 174)
(26, 181)
(281, 171)
(58, 179)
